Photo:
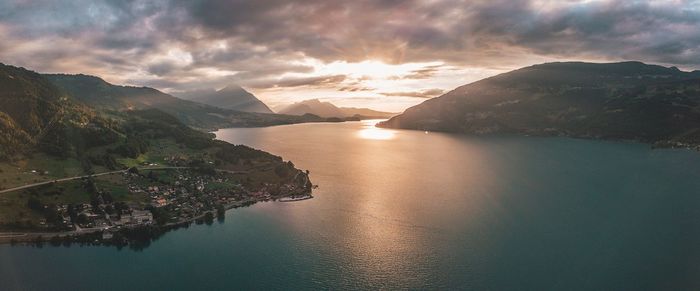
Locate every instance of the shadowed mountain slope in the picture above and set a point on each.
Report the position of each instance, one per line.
(628, 100)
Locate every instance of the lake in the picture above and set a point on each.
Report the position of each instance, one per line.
(414, 210)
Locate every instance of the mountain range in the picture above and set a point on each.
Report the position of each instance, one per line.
(65, 115)
(327, 109)
(626, 100)
(230, 97)
(97, 93)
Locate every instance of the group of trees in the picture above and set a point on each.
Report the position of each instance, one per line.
(284, 169)
(50, 213)
(235, 153)
(106, 160)
(132, 147)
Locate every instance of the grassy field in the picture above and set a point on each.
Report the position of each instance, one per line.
(162, 149)
(13, 205)
(39, 168)
(43, 168)
(13, 209)
(116, 185)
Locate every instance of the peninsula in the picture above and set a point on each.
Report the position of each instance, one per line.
(76, 173)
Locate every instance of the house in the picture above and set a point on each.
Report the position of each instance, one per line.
(159, 202)
(141, 217)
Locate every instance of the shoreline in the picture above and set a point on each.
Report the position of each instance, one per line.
(30, 238)
(659, 144)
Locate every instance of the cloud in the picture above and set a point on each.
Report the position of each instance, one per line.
(428, 93)
(184, 45)
(423, 73)
(298, 82)
(355, 88)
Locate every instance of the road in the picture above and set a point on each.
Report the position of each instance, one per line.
(59, 180)
(107, 173)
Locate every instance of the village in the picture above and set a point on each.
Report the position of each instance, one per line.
(176, 197)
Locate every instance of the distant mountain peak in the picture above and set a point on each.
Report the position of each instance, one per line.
(232, 88)
(327, 109)
(233, 97)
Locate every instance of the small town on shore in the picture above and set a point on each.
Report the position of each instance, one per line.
(160, 199)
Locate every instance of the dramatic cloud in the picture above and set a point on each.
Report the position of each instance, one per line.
(429, 93)
(327, 81)
(182, 45)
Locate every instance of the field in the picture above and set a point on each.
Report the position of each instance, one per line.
(14, 205)
(39, 168)
(160, 150)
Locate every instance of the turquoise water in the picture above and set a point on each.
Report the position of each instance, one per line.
(415, 210)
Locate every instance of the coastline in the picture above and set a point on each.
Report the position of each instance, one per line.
(79, 236)
(658, 144)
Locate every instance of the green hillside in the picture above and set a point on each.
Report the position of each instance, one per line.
(100, 94)
(52, 145)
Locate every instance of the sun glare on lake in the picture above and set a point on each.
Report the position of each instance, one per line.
(370, 131)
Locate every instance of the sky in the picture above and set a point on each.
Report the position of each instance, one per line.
(381, 54)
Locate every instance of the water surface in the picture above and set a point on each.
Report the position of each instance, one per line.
(415, 210)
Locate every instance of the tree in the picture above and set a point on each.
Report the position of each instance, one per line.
(109, 209)
(209, 218)
(55, 241)
(35, 204)
(220, 213)
(120, 207)
(39, 241)
(53, 217)
(107, 197)
(72, 212)
(110, 162)
(82, 219)
(90, 185)
(282, 170)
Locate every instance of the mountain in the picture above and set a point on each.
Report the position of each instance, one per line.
(37, 115)
(27, 100)
(51, 144)
(627, 100)
(97, 93)
(100, 94)
(231, 97)
(313, 106)
(327, 109)
(366, 112)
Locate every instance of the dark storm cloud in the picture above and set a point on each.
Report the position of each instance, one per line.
(455, 30)
(179, 42)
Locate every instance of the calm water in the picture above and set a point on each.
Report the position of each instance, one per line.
(410, 210)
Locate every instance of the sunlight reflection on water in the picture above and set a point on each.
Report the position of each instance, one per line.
(370, 131)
